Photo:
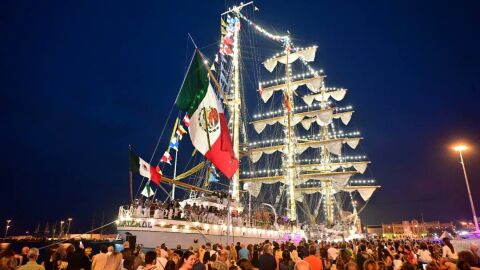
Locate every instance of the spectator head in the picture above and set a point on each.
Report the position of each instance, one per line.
(466, 259)
(407, 266)
(312, 250)
(245, 264)
(126, 245)
(33, 253)
(150, 257)
(286, 256)
(103, 249)
(110, 249)
(88, 251)
(179, 246)
(351, 266)
(372, 265)
(222, 255)
(187, 261)
(25, 250)
(474, 247)
(301, 265)
(267, 248)
(362, 247)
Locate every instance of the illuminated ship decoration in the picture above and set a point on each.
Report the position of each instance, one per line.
(295, 155)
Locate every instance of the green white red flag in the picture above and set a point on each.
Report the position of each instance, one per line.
(144, 168)
(208, 127)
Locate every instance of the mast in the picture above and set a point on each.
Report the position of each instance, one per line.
(327, 185)
(329, 171)
(236, 111)
(290, 138)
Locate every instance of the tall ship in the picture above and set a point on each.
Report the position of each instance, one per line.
(259, 149)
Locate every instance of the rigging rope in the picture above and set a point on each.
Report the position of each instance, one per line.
(65, 240)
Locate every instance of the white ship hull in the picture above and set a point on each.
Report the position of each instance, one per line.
(153, 232)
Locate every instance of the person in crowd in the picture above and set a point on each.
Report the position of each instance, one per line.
(302, 265)
(23, 256)
(370, 264)
(314, 261)
(100, 260)
(222, 261)
(351, 266)
(88, 253)
(362, 256)
(243, 253)
(255, 255)
(388, 260)
(161, 259)
(78, 260)
(179, 251)
(448, 251)
(32, 264)
(267, 261)
(286, 263)
(150, 261)
(397, 262)
(114, 260)
(187, 261)
(424, 256)
(332, 253)
(198, 265)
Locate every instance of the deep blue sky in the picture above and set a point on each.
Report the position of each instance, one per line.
(81, 80)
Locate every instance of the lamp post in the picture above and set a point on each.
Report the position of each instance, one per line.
(61, 228)
(460, 149)
(7, 227)
(69, 223)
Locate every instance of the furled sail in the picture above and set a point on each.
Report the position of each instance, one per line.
(334, 146)
(337, 94)
(313, 83)
(359, 166)
(321, 117)
(307, 54)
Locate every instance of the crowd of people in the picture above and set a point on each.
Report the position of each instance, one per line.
(306, 255)
(198, 213)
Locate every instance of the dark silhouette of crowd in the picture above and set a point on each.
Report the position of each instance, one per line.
(306, 255)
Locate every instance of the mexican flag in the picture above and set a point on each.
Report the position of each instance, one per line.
(208, 127)
(145, 169)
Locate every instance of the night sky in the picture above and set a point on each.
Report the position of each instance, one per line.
(81, 80)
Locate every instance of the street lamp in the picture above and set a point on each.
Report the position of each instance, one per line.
(7, 227)
(69, 223)
(460, 148)
(61, 228)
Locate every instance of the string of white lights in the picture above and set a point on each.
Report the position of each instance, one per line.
(280, 112)
(334, 159)
(284, 39)
(362, 181)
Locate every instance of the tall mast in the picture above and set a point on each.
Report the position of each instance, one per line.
(290, 137)
(326, 184)
(236, 110)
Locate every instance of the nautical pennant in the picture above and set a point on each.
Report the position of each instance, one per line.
(180, 131)
(186, 120)
(212, 178)
(147, 191)
(174, 143)
(166, 158)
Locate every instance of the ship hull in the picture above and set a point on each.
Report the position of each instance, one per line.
(153, 232)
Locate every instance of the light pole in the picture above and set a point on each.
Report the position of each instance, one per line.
(7, 227)
(460, 149)
(69, 223)
(61, 229)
